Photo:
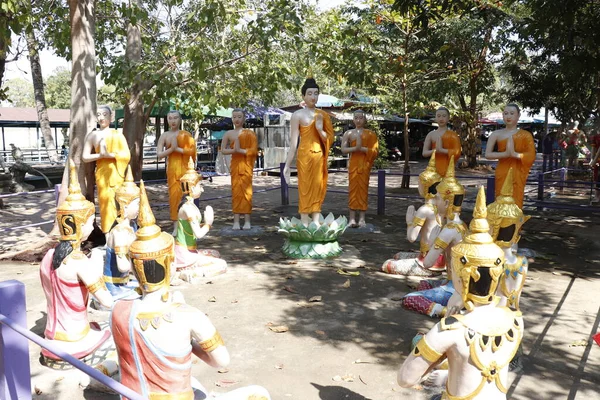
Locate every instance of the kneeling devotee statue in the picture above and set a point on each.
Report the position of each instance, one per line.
(178, 146)
(156, 335)
(363, 146)
(506, 219)
(480, 343)
(190, 262)
(432, 296)
(69, 276)
(117, 264)
(108, 149)
(426, 221)
(315, 131)
(242, 145)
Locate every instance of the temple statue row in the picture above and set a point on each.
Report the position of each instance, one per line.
(469, 350)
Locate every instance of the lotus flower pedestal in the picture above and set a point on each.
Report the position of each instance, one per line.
(315, 240)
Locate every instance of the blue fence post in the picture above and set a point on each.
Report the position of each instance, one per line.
(490, 193)
(285, 192)
(540, 189)
(56, 193)
(563, 176)
(15, 375)
(381, 192)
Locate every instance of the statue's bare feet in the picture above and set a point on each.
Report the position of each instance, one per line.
(352, 224)
(236, 226)
(362, 223)
(247, 226)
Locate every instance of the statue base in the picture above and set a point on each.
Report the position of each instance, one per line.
(368, 228)
(318, 250)
(254, 231)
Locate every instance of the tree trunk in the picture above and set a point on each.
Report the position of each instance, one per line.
(83, 92)
(134, 124)
(406, 172)
(4, 47)
(40, 98)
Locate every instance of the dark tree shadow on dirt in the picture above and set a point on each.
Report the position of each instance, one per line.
(337, 393)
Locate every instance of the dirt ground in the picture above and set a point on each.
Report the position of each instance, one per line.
(351, 343)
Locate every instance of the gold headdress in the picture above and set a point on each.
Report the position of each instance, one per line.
(75, 210)
(450, 189)
(504, 212)
(476, 251)
(190, 178)
(127, 192)
(309, 73)
(429, 177)
(152, 252)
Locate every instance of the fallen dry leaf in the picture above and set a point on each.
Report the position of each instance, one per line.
(342, 271)
(315, 299)
(321, 333)
(225, 383)
(256, 239)
(337, 378)
(279, 328)
(578, 343)
(359, 361)
(292, 262)
(279, 366)
(223, 370)
(556, 273)
(235, 301)
(346, 284)
(209, 282)
(213, 299)
(290, 289)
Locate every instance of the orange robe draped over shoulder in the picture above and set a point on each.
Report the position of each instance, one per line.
(450, 142)
(110, 174)
(523, 141)
(311, 163)
(176, 167)
(359, 171)
(242, 166)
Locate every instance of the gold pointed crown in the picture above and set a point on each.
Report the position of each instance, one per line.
(476, 251)
(127, 192)
(152, 252)
(190, 178)
(450, 189)
(429, 177)
(309, 73)
(75, 210)
(504, 212)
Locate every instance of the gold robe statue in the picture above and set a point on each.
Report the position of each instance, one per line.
(450, 142)
(523, 141)
(311, 163)
(242, 166)
(110, 174)
(359, 171)
(176, 167)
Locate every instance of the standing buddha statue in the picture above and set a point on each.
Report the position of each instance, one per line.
(69, 276)
(178, 146)
(363, 146)
(242, 145)
(108, 149)
(315, 131)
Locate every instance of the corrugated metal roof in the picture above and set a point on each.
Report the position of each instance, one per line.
(29, 115)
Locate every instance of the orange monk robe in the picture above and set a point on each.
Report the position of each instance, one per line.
(311, 163)
(359, 171)
(110, 174)
(524, 144)
(450, 142)
(176, 167)
(242, 166)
